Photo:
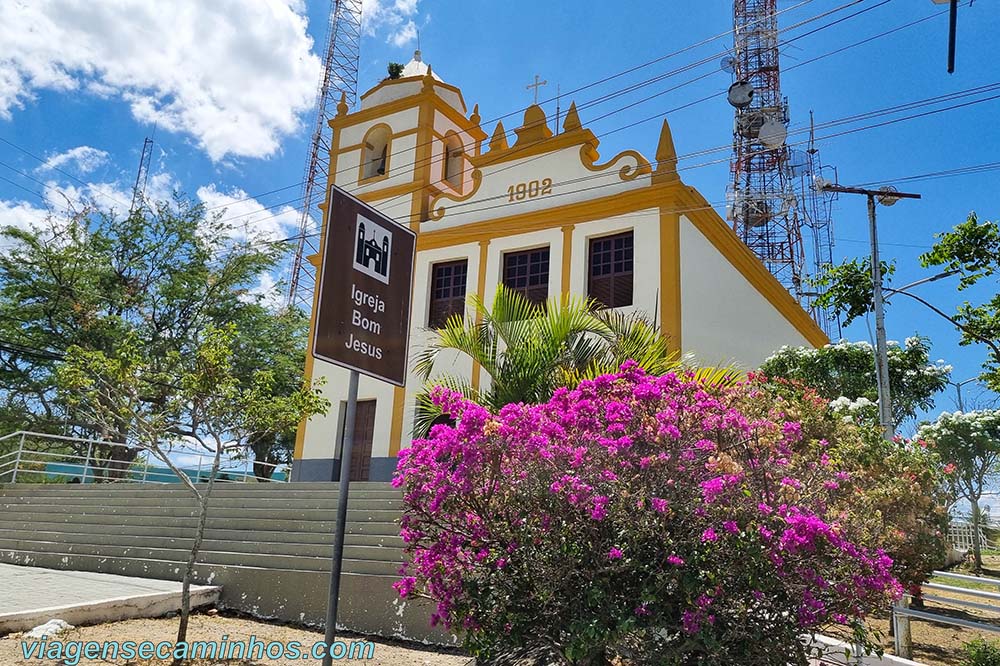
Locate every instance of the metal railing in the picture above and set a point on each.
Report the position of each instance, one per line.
(902, 614)
(31, 462)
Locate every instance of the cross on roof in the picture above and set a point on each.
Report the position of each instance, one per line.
(536, 85)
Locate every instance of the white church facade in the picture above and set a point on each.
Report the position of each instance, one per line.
(545, 214)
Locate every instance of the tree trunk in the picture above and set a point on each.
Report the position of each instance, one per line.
(193, 557)
(262, 470)
(977, 547)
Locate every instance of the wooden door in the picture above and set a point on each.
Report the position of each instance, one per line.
(364, 433)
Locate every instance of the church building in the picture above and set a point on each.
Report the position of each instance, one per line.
(543, 212)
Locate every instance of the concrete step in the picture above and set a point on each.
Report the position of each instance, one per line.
(115, 509)
(145, 567)
(169, 512)
(138, 555)
(358, 489)
(188, 502)
(392, 545)
(357, 559)
(31, 521)
(160, 531)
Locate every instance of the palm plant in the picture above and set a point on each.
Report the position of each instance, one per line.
(528, 350)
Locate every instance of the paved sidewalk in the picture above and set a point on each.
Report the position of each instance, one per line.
(30, 596)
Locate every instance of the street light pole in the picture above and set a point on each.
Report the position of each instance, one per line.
(958, 391)
(881, 348)
(887, 197)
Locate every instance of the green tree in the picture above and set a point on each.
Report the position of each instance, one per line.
(527, 351)
(972, 250)
(200, 401)
(847, 369)
(395, 70)
(166, 274)
(970, 442)
(277, 342)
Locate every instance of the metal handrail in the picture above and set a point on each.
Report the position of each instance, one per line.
(94, 468)
(901, 613)
(944, 619)
(967, 578)
(982, 594)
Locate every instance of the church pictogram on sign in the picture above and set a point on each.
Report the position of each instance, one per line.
(371, 253)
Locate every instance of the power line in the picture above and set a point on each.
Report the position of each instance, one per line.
(392, 200)
(62, 171)
(657, 78)
(584, 105)
(829, 124)
(957, 171)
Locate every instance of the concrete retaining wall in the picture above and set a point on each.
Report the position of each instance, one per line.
(267, 545)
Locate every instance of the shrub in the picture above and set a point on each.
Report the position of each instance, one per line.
(981, 652)
(653, 519)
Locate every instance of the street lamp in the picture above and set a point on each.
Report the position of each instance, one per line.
(887, 196)
(958, 390)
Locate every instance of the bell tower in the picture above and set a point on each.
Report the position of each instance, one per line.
(410, 140)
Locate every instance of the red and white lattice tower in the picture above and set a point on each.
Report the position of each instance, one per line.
(772, 203)
(338, 77)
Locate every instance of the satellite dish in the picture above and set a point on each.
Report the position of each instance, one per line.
(886, 198)
(728, 64)
(798, 161)
(772, 133)
(740, 94)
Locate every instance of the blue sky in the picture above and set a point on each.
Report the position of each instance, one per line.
(226, 88)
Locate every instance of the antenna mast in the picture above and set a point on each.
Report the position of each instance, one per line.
(339, 75)
(771, 200)
(141, 176)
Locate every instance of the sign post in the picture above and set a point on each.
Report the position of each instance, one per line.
(362, 324)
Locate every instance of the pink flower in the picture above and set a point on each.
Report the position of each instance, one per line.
(731, 527)
(675, 560)
(709, 535)
(659, 504)
(615, 554)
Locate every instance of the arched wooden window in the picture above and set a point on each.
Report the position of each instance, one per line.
(375, 152)
(454, 160)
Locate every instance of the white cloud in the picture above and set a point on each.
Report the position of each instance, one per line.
(257, 222)
(268, 292)
(395, 16)
(101, 195)
(21, 214)
(85, 158)
(404, 35)
(235, 74)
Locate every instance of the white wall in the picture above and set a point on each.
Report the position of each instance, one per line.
(724, 319)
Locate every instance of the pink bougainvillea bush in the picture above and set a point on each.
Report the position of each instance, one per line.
(655, 520)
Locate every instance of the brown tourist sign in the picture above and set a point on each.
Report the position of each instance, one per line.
(363, 310)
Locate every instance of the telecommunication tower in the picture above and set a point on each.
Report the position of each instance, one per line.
(339, 76)
(141, 176)
(772, 203)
